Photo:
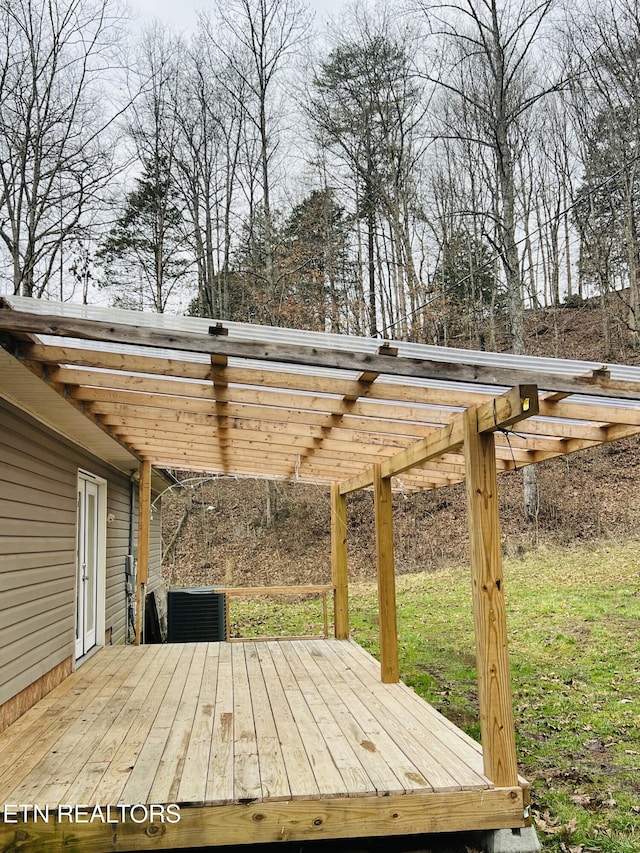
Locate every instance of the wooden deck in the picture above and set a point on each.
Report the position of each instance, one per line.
(256, 742)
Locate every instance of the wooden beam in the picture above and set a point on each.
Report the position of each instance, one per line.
(388, 625)
(339, 571)
(276, 405)
(601, 413)
(255, 824)
(304, 589)
(144, 525)
(245, 416)
(434, 398)
(515, 405)
(598, 384)
(381, 417)
(492, 657)
(258, 377)
(545, 434)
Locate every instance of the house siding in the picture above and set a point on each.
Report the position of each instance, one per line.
(38, 483)
(155, 549)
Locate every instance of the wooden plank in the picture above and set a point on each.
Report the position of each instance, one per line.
(350, 389)
(302, 782)
(315, 820)
(220, 776)
(440, 441)
(345, 429)
(256, 376)
(123, 742)
(340, 724)
(362, 445)
(273, 774)
(339, 567)
(101, 742)
(166, 781)
(138, 786)
(377, 749)
(244, 417)
(434, 763)
(462, 743)
(516, 404)
(492, 657)
(280, 456)
(281, 436)
(247, 785)
(275, 404)
(443, 370)
(335, 766)
(415, 702)
(450, 760)
(266, 450)
(193, 784)
(362, 417)
(388, 624)
(576, 409)
(25, 728)
(303, 589)
(52, 777)
(21, 751)
(278, 419)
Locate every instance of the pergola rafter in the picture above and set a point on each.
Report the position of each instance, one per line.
(240, 400)
(184, 393)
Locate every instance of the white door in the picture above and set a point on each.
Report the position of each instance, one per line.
(87, 565)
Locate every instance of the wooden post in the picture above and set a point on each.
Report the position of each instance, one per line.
(489, 615)
(390, 671)
(339, 570)
(144, 522)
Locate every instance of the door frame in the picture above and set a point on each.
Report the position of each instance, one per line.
(101, 563)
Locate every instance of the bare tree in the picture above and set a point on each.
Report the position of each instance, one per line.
(148, 238)
(55, 155)
(488, 68)
(212, 123)
(605, 48)
(257, 37)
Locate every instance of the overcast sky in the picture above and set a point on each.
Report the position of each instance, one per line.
(180, 14)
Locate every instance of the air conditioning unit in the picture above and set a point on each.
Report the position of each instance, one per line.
(196, 614)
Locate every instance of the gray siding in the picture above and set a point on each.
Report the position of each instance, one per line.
(155, 549)
(38, 481)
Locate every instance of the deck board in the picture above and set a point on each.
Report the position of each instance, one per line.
(335, 766)
(300, 776)
(456, 763)
(387, 767)
(25, 753)
(274, 724)
(273, 774)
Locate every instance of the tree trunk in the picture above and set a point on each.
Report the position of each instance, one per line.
(530, 490)
(271, 503)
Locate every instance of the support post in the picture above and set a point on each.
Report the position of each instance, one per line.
(390, 671)
(489, 615)
(144, 523)
(339, 570)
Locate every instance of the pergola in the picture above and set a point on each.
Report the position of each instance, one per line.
(352, 413)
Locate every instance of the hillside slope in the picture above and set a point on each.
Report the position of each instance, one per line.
(225, 538)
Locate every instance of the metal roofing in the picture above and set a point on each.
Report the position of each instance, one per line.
(238, 399)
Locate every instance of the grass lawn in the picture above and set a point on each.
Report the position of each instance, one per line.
(574, 628)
